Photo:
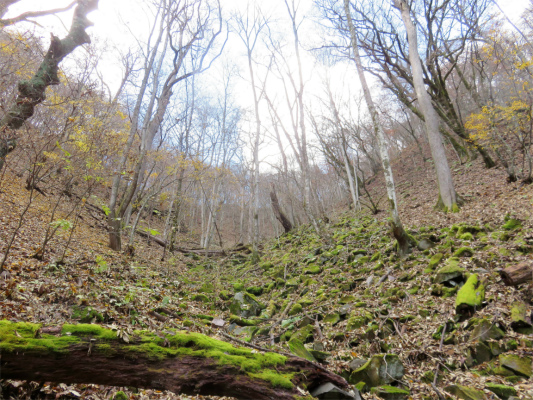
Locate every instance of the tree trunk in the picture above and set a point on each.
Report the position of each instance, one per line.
(280, 215)
(517, 274)
(447, 196)
(182, 362)
(404, 243)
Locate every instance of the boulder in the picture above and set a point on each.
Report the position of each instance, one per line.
(451, 272)
(502, 391)
(520, 321)
(470, 297)
(465, 393)
(381, 369)
(328, 391)
(246, 305)
(390, 392)
(519, 365)
(485, 330)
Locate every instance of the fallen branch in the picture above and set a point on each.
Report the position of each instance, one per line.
(179, 361)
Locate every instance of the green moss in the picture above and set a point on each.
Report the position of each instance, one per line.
(502, 391)
(466, 236)
(296, 309)
(86, 314)
(298, 348)
(120, 396)
(238, 286)
(85, 330)
(435, 260)
(255, 290)
(472, 294)
(389, 389)
(464, 252)
(511, 224)
(313, 269)
(276, 379)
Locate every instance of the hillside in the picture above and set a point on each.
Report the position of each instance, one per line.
(345, 293)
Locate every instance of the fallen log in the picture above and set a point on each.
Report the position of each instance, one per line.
(163, 243)
(178, 361)
(517, 274)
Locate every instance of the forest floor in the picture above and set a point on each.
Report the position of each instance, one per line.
(345, 293)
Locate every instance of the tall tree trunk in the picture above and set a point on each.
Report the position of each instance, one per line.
(447, 196)
(278, 212)
(396, 224)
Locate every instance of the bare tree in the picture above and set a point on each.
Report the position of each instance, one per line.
(447, 195)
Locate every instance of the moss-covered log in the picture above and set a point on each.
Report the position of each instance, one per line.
(179, 361)
(32, 92)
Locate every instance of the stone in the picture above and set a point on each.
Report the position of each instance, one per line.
(520, 321)
(357, 363)
(332, 319)
(450, 272)
(425, 244)
(390, 392)
(485, 330)
(465, 393)
(502, 391)
(245, 305)
(298, 348)
(519, 365)
(328, 391)
(470, 297)
(381, 369)
(320, 356)
(483, 353)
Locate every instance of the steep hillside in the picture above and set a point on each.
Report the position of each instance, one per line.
(394, 328)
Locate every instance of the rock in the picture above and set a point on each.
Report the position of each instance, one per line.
(464, 252)
(246, 305)
(470, 297)
(247, 331)
(485, 330)
(483, 353)
(435, 260)
(304, 334)
(425, 244)
(357, 363)
(466, 393)
(519, 365)
(328, 391)
(298, 348)
(312, 269)
(345, 310)
(332, 319)
(218, 323)
(347, 299)
(502, 391)
(520, 322)
(450, 272)
(255, 290)
(390, 392)
(380, 370)
(296, 309)
(200, 297)
(320, 356)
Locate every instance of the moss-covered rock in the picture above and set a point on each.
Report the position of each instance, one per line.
(502, 391)
(451, 271)
(312, 269)
(255, 290)
(470, 297)
(246, 305)
(298, 348)
(296, 309)
(381, 369)
(464, 252)
(200, 297)
(511, 224)
(519, 321)
(485, 330)
(86, 314)
(390, 392)
(435, 260)
(465, 393)
(120, 396)
(519, 365)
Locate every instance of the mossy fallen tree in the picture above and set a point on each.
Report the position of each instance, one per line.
(179, 361)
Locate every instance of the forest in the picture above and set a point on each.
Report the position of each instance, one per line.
(296, 199)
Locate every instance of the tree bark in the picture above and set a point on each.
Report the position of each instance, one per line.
(32, 92)
(404, 242)
(517, 274)
(180, 361)
(280, 215)
(447, 195)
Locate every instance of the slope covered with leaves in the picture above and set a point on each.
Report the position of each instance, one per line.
(345, 295)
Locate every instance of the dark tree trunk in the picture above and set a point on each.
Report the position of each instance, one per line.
(187, 363)
(278, 212)
(32, 92)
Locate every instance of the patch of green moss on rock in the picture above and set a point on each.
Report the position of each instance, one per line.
(464, 252)
(120, 396)
(201, 298)
(297, 347)
(465, 393)
(519, 365)
(312, 269)
(390, 392)
(296, 309)
(450, 271)
(470, 296)
(502, 391)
